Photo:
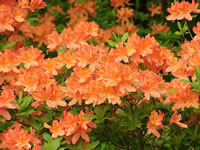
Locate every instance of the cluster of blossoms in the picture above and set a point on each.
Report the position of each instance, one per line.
(18, 138)
(69, 124)
(98, 74)
(13, 13)
(181, 10)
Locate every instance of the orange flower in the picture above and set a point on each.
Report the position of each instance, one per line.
(118, 3)
(6, 18)
(6, 101)
(20, 14)
(56, 129)
(54, 41)
(197, 31)
(24, 3)
(29, 79)
(181, 10)
(83, 74)
(42, 31)
(34, 4)
(29, 56)
(124, 14)
(183, 97)
(50, 66)
(16, 138)
(77, 125)
(8, 61)
(68, 59)
(69, 39)
(159, 28)
(6, 98)
(87, 55)
(121, 53)
(155, 123)
(52, 95)
(90, 28)
(176, 119)
(151, 84)
(56, 97)
(155, 10)
(37, 4)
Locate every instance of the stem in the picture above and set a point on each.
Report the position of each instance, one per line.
(189, 31)
(137, 4)
(140, 138)
(152, 143)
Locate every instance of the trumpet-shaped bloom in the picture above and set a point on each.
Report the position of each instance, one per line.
(182, 10)
(176, 119)
(155, 123)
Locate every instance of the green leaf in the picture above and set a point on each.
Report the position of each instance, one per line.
(47, 137)
(112, 44)
(25, 102)
(8, 45)
(61, 50)
(114, 12)
(60, 28)
(178, 33)
(103, 146)
(53, 145)
(115, 37)
(35, 124)
(26, 112)
(99, 111)
(20, 97)
(186, 81)
(33, 20)
(2, 119)
(179, 26)
(197, 73)
(124, 37)
(90, 116)
(81, 1)
(171, 91)
(185, 27)
(91, 145)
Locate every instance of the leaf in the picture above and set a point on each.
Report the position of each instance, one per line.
(32, 21)
(103, 146)
(91, 145)
(25, 102)
(178, 33)
(53, 145)
(26, 112)
(115, 37)
(47, 137)
(8, 45)
(186, 81)
(99, 111)
(81, 1)
(20, 97)
(90, 116)
(35, 124)
(179, 26)
(112, 44)
(124, 37)
(61, 50)
(185, 27)
(171, 91)
(197, 73)
(60, 28)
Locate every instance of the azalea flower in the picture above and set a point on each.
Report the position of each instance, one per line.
(155, 123)
(176, 119)
(182, 10)
(155, 10)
